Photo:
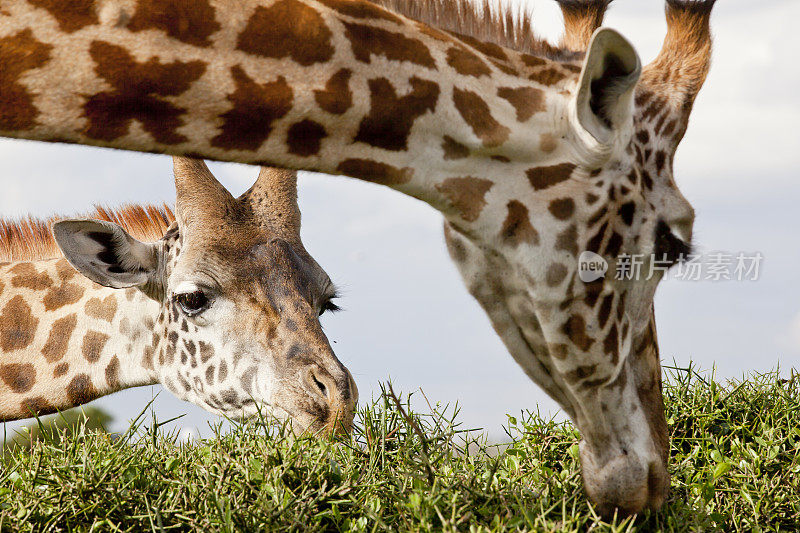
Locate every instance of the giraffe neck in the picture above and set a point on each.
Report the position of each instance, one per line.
(65, 340)
(354, 90)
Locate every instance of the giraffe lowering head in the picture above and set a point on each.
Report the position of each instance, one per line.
(533, 153)
(223, 310)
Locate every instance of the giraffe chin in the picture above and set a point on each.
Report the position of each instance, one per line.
(625, 485)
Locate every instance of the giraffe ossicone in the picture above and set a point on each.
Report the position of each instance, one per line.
(533, 153)
(223, 310)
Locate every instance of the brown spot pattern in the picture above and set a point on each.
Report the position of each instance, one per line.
(26, 276)
(61, 295)
(490, 49)
(547, 143)
(562, 208)
(567, 240)
(112, 373)
(304, 138)
(93, 344)
(556, 274)
(374, 171)
(527, 101)
(18, 54)
(189, 21)
(453, 149)
(548, 76)
(37, 405)
(517, 226)
(360, 10)
(60, 370)
(71, 15)
(57, 342)
(102, 309)
(19, 377)
(466, 63)
(138, 94)
(368, 40)
(254, 108)
(287, 28)
(575, 329)
(337, 97)
(476, 113)
(80, 390)
(17, 325)
(545, 177)
(466, 195)
(390, 119)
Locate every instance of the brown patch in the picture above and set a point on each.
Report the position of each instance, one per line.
(369, 40)
(17, 325)
(527, 101)
(102, 309)
(605, 309)
(360, 10)
(611, 344)
(26, 276)
(19, 53)
(453, 149)
(517, 226)
(567, 240)
(60, 333)
(532, 61)
(556, 274)
(368, 170)
(490, 49)
(304, 138)
(287, 28)
(61, 295)
(547, 143)
(206, 351)
(60, 370)
(66, 271)
(80, 390)
(475, 112)
(559, 351)
(255, 107)
(223, 371)
(37, 405)
(466, 63)
(71, 15)
(19, 377)
(575, 329)
(580, 373)
(93, 344)
(138, 94)
(112, 373)
(390, 119)
(500, 158)
(466, 195)
(548, 76)
(189, 21)
(337, 96)
(210, 375)
(545, 177)
(562, 208)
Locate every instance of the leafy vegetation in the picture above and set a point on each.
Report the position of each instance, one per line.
(735, 466)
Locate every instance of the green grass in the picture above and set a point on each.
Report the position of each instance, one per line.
(734, 466)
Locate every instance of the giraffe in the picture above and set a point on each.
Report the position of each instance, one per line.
(223, 309)
(533, 153)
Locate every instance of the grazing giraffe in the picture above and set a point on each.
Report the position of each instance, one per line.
(532, 152)
(223, 309)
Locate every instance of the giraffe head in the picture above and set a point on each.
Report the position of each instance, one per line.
(603, 186)
(239, 331)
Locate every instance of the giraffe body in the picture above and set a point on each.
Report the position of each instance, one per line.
(532, 153)
(222, 310)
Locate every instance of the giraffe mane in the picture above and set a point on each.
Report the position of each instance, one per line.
(492, 21)
(31, 239)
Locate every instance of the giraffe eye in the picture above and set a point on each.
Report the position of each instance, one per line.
(192, 303)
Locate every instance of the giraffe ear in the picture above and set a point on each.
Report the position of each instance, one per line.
(105, 253)
(604, 102)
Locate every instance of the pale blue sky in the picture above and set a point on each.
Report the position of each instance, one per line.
(407, 314)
